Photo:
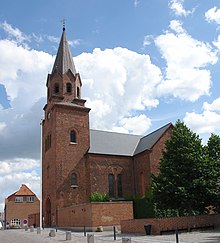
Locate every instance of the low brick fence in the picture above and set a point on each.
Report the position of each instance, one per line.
(95, 214)
(160, 225)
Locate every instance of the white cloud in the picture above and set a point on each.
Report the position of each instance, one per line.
(217, 42)
(17, 165)
(186, 74)
(23, 70)
(14, 32)
(213, 15)
(177, 27)
(214, 106)
(118, 81)
(207, 122)
(37, 38)
(177, 7)
(136, 125)
(147, 40)
(53, 39)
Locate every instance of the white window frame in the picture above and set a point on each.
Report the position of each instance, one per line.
(19, 199)
(30, 199)
(15, 222)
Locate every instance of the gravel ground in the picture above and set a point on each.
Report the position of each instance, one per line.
(22, 236)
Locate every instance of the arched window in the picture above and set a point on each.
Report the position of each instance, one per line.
(111, 188)
(78, 92)
(68, 87)
(119, 184)
(15, 222)
(56, 88)
(74, 180)
(72, 136)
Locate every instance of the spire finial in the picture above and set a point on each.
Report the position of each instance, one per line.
(63, 21)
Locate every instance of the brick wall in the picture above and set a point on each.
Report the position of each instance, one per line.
(142, 173)
(158, 224)
(100, 166)
(157, 150)
(95, 214)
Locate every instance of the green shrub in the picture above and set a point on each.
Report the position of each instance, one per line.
(99, 197)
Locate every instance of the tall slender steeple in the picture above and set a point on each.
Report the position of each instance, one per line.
(64, 84)
(64, 60)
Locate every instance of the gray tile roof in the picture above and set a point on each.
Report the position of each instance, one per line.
(112, 143)
(64, 60)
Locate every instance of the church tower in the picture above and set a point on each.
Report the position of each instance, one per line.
(65, 136)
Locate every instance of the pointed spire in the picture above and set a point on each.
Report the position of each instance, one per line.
(64, 60)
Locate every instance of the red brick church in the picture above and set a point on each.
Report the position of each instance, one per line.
(77, 160)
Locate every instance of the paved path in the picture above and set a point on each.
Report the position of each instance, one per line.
(22, 236)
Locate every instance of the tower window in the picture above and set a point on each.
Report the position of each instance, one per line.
(111, 183)
(78, 93)
(74, 180)
(56, 88)
(72, 136)
(68, 87)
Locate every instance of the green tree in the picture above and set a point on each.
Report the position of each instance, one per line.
(212, 167)
(178, 187)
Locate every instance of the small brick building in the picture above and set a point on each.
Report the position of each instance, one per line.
(77, 160)
(19, 205)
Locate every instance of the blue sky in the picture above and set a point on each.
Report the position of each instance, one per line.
(143, 64)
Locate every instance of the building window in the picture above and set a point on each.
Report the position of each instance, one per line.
(78, 93)
(18, 199)
(74, 180)
(68, 87)
(119, 185)
(56, 88)
(72, 136)
(15, 222)
(111, 190)
(30, 199)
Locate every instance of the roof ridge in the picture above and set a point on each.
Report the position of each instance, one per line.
(168, 124)
(148, 141)
(128, 134)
